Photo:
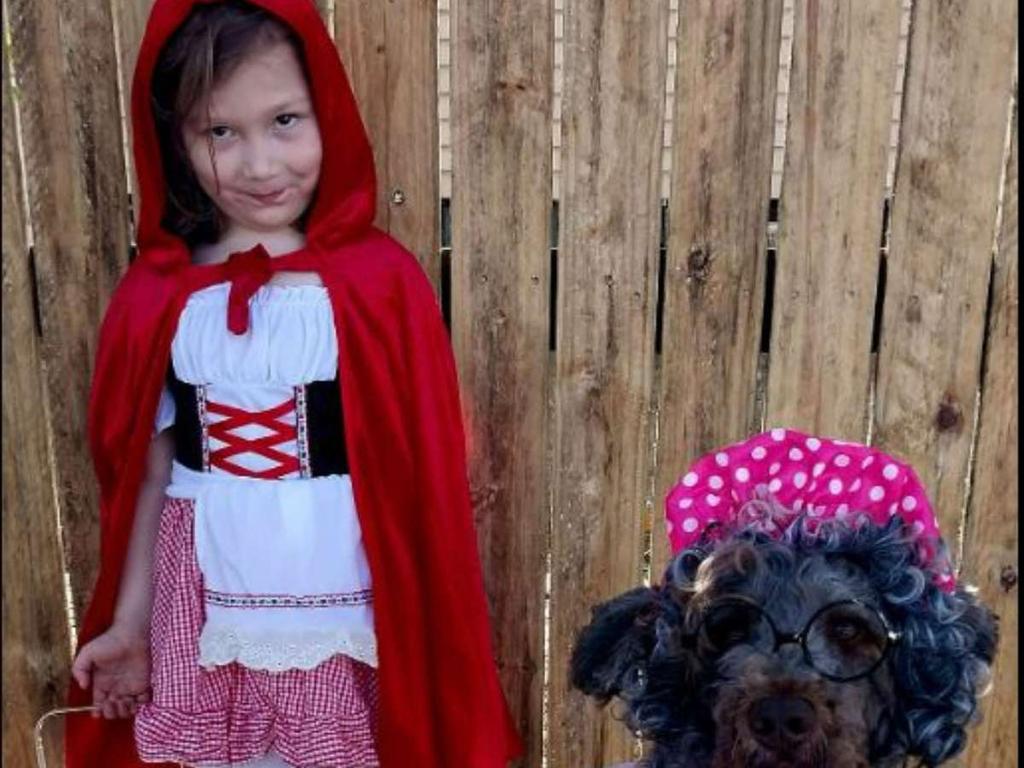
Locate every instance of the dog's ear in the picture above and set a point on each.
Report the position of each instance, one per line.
(940, 665)
(616, 644)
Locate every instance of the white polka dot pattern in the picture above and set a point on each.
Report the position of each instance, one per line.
(821, 477)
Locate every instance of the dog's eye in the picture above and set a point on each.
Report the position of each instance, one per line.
(846, 641)
(845, 630)
(728, 636)
(728, 625)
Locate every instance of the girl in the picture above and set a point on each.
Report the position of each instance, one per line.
(288, 569)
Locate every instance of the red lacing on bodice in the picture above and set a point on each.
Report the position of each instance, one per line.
(264, 446)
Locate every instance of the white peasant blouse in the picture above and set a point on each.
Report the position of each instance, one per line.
(285, 576)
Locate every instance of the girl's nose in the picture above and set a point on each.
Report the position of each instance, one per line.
(259, 161)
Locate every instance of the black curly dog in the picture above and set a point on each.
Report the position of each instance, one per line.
(831, 649)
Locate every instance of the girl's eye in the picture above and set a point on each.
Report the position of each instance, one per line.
(287, 120)
(220, 131)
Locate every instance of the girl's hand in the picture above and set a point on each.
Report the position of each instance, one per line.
(117, 665)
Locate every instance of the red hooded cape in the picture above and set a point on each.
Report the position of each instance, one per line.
(441, 703)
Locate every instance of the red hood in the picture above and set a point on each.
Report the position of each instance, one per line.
(345, 203)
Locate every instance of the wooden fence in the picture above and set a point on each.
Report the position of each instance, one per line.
(608, 339)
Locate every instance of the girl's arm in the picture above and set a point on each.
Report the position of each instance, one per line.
(135, 598)
(116, 663)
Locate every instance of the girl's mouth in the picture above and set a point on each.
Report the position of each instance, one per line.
(269, 198)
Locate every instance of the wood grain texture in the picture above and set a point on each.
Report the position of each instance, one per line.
(501, 205)
(728, 57)
(390, 53)
(131, 17)
(35, 628)
(991, 543)
(612, 123)
(63, 54)
(959, 81)
(830, 215)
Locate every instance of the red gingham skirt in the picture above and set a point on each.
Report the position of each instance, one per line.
(325, 716)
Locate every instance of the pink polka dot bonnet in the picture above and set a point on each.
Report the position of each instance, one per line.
(768, 480)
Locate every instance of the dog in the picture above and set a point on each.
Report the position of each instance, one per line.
(795, 629)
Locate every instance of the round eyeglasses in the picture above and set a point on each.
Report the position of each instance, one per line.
(843, 641)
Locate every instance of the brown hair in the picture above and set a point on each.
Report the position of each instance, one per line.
(204, 50)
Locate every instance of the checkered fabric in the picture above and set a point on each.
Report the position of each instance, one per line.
(231, 714)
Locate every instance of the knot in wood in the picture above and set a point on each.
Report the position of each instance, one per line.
(1008, 578)
(914, 309)
(504, 85)
(698, 264)
(397, 197)
(949, 417)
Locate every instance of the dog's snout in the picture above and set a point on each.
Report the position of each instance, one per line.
(781, 722)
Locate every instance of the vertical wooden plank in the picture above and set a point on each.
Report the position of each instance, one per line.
(615, 66)
(36, 648)
(390, 52)
(501, 204)
(959, 79)
(718, 217)
(130, 17)
(991, 539)
(830, 215)
(63, 55)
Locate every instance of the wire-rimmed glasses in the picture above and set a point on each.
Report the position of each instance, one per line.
(843, 641)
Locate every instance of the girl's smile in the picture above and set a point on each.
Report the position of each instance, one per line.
(270, 198)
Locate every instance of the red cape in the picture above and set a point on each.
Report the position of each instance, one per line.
(441, 702)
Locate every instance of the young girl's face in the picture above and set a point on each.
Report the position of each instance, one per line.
(256, 150)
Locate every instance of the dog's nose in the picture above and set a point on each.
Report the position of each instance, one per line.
(781, 722)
